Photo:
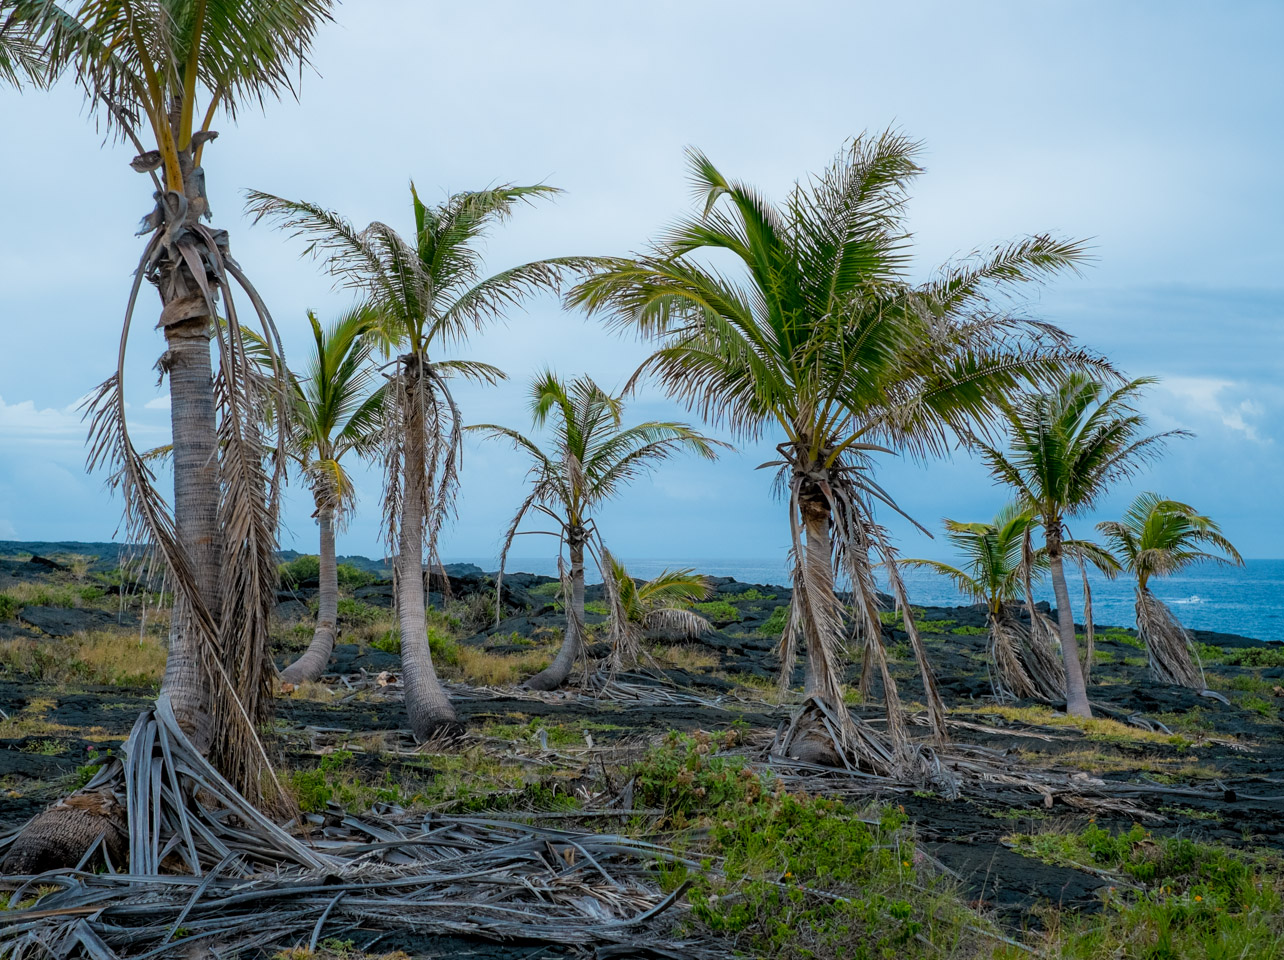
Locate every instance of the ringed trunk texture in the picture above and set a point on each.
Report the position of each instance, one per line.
(315, 659)
(557, 672)
(196, 505)
(430, 711)
(1076, 689)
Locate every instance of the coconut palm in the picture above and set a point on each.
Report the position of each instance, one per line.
(159, 73)
(1067, 446)
(1157, 538)
(818, 337)
(335, 411)
(995, 573)
(427, 293)
(593, 458)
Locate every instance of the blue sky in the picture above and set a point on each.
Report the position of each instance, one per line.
(1154, 130)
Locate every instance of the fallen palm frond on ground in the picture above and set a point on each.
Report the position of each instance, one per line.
(228, 868)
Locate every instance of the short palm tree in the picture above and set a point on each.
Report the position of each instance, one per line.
(1157, 538)
(1066, 447)
(818, 337)
(997, 573)
(158, 73)
(593, 458)
(427, 293)
(660, 607)
(336, 411)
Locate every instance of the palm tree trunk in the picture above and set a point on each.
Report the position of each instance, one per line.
(196, 500)
(315, 659)
(820, 624)
(1076, 690)
(427, 705)
(556, 673)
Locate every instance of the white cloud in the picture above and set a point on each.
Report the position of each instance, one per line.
(1201, 401)
(159, 403)
(25, 420)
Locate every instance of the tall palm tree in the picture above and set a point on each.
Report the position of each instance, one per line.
(1157, 538)
(996, 573)
(427, 293)
(336, 411)
(158, 73)
(818, 337)
(1067, 446)
(593, 458)
(659, 607)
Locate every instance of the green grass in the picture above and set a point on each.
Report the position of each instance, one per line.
(971, 631)
(753, 593)
(1177, 899)
(597, 606)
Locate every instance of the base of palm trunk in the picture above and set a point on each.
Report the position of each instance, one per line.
(88, 829)
(822, 734)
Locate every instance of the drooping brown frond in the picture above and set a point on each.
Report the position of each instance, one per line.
(1169, 646)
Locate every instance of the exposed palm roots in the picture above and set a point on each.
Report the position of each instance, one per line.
(204, 869)
(1172, 654)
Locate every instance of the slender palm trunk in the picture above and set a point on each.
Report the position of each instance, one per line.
(196, 499)
(1076, 689)
(427, 705)
(818, 569)
(557, 672)
(315, 659)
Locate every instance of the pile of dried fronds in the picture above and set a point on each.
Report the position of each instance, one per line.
(206, 869)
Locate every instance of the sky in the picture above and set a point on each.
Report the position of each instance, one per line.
(1150, 130)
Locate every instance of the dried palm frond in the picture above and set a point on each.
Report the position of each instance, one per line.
(1169, 646)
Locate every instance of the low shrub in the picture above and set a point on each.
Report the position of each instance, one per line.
(719, 611)
(351, 577)
(799, 876)
(774, 626)
(296, 571)
(354, 613)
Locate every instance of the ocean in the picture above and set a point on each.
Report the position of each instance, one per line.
(1247, 600)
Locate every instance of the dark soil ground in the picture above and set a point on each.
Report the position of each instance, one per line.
(1211, 770)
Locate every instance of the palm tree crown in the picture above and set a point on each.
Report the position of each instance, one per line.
(594, 455)
(336, 406)
(993, 571)
(1158, 537)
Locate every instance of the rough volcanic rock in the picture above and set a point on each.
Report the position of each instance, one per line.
(66, 621)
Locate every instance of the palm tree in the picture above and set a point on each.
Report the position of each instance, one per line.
(158, 73)
(593, 459)
(336, 411)
(1157, 538)
(819, 338)
(996, 573)
(1067, 447)
(427, 293)
(659, 607)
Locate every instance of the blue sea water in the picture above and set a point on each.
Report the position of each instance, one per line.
(1247, 600)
